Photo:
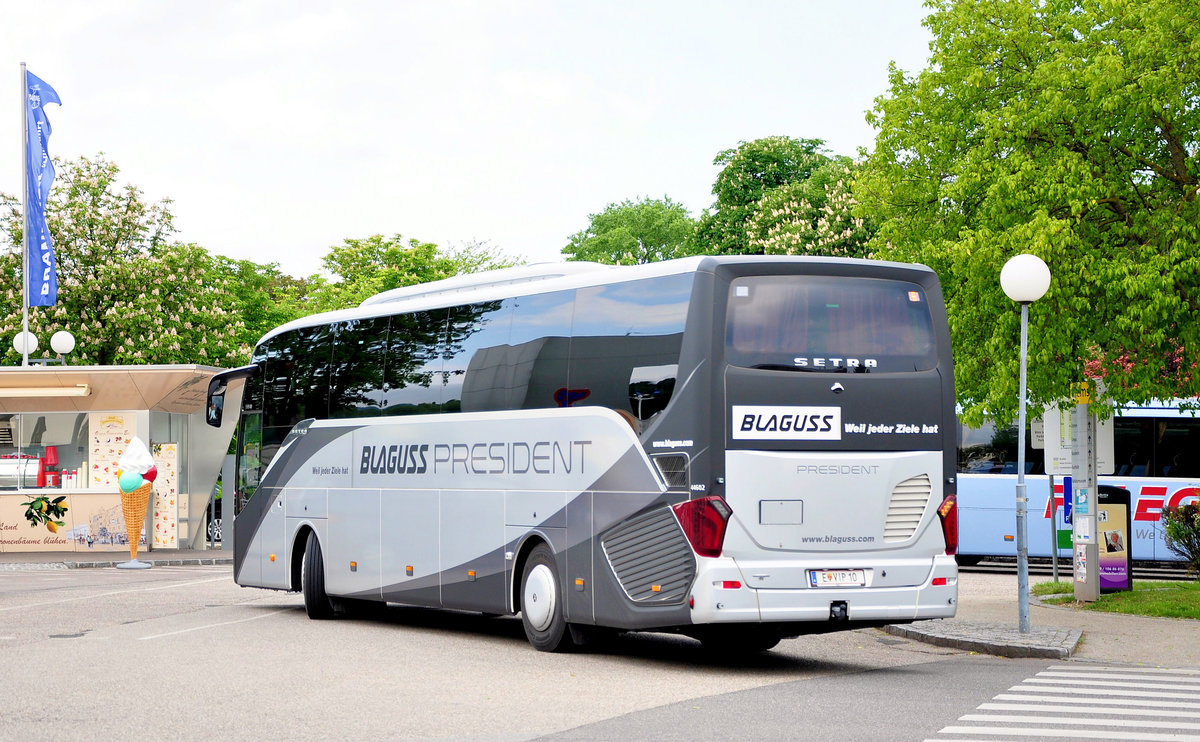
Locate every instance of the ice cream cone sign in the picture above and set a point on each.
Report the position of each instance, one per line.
(135, 485)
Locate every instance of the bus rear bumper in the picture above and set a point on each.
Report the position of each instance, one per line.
(716, 600)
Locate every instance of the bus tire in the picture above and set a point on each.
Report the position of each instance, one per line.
(541, 602)
(312, 581)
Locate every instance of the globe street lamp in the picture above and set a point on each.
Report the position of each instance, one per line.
(61, 342)
(1024, 279)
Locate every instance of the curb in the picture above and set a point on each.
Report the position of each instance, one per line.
(51, 566)
(999, 639)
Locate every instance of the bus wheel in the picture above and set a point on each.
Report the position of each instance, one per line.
(541, 602)
(312, 580)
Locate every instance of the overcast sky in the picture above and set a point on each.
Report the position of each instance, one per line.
(280, 128)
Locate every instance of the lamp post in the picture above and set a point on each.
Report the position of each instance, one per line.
(1024, 279)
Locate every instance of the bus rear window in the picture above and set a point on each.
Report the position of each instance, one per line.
(829, 323)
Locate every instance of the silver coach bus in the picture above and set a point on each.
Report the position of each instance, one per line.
(740, 449)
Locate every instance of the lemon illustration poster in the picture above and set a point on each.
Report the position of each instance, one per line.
(92, 521)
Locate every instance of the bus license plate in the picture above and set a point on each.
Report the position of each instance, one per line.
(837, 578)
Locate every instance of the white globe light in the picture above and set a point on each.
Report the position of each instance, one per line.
(1025, 278)
(62, 342)
(25, 342)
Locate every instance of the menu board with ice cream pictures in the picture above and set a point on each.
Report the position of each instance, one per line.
(111, 433)
(165, 532)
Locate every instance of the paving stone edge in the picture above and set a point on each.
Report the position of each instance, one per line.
(974, 644)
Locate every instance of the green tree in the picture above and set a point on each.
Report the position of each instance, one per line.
(631, 232)
(476, 256)
(812, 217)
(263, 297)
(127, 294)
(1065, 129)
(362, 268)
(749, 171)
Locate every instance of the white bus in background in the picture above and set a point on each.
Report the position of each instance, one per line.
(1156, 458)
(740, 449)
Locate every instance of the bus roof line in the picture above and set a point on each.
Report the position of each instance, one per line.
(542, 278)
(486, 279)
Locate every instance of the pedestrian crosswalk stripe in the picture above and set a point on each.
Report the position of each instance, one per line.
(1088, 710)
(1113, 701)
(1101, 691)
(1076, 733)
(1104, 683)
(1081, 720)
(1114, 668)
(1179, 683)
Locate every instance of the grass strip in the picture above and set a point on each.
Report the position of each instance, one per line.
(1148, 598)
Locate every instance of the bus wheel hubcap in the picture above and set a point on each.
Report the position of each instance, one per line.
(539, 597)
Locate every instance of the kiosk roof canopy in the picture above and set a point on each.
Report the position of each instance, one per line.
(173, 388)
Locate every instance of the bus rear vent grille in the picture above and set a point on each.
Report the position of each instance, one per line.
(909, 500)
(674, 469)
(651, 558)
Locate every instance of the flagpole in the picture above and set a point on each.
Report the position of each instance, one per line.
(25, 219)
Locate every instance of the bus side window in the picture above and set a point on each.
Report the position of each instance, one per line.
(539, 342)
(279, 396)
(357, 369)
(625, 343)
(412, 371)
(475, 364)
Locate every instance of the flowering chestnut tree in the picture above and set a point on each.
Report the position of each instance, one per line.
(785, 196)
(814, 216)
(128, 294)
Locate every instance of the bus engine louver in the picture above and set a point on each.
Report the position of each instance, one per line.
(651, 558)
(907, 508)
(674, 469)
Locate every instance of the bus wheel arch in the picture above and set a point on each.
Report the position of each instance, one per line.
(541, 601)
(296, 567)
(523, 550)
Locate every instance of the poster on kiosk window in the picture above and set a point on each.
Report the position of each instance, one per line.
(167, 502)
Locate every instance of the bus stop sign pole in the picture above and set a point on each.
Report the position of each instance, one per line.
(1084, 504)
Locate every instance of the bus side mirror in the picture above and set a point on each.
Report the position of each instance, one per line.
(216, 402)
(217, 386)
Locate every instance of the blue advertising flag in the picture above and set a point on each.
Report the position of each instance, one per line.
(41, 281)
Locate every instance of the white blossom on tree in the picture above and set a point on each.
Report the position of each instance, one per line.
(127, 294)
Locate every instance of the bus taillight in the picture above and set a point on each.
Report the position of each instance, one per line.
(704, 522)
(948, 512)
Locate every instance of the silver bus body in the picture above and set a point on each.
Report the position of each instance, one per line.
(673, 447)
